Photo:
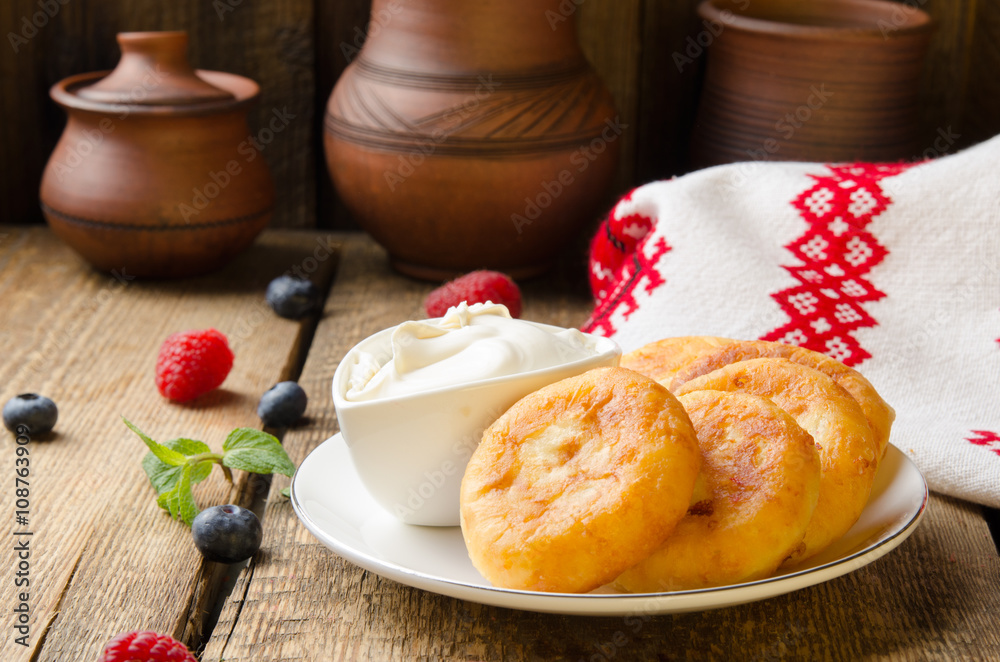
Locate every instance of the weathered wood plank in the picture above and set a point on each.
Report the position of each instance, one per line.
(290, 593)
(948, 78)
(267, 41)
(934, 598)
(273, 43)
(105, 559)
(610, 36)
(341, 28)
(982, 108)
(297, 49)
(25, 109)
(670, 68)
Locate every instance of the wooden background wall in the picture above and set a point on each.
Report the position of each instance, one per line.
(294, 49)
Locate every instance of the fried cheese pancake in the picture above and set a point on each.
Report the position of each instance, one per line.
(848, 450)
(578, 481)
(754, 498)
(878, 412)
(663, 358)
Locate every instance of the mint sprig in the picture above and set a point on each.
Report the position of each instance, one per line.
(174, 466)
(257, 452)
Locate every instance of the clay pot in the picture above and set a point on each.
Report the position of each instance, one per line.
(471, 135)
(156, 174)
(824, 80)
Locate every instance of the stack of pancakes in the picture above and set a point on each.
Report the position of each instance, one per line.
(699, 462)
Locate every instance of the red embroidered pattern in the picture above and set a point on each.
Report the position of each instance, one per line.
(990, 440)
(636, 274)
(837, 252)
(617, 239)
(619, 263)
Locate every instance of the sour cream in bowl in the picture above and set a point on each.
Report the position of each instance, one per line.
(413, 400)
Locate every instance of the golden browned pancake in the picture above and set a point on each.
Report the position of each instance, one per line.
(848, 449)
(663, 358)
(753, 500)
(879, 414)
(578, 481)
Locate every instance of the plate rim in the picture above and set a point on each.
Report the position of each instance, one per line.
(563, 603)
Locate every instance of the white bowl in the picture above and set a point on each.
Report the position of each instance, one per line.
(411, 450)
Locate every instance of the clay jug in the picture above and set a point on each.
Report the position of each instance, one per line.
(824, 80)
(156, 174)
(471, 135)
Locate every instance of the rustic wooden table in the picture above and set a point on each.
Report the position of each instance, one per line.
(105, 559)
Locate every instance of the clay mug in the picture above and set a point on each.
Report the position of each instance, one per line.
(155, 174)
(471, 135)
(824, 80)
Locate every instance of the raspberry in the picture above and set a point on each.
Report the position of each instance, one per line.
(475, 287)
(145, 647)
(192, 363)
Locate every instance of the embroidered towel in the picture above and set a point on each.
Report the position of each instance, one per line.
(892, 269)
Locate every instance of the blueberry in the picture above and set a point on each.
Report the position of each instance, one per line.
(293, 298)
(227, 534)
(35, 412)
(282, 405)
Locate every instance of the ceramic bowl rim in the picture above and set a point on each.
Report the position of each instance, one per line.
(341, 403)
(917, 22)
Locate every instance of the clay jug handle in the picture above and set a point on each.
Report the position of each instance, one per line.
(153, 70)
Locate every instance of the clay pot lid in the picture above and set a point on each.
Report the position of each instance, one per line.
(154, 76)
(155, 63)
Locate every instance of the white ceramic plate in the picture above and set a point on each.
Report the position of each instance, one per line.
(332, 503)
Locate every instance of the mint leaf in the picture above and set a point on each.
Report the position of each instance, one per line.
(179, 502)
(185, 499)
(256, 451)
(166, 501)
(188, 446)
(286, 492)
(166, 455)
(169, 502)
(164, 477)
(175, 466)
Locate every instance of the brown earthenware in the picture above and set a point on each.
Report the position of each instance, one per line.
(471, 134)
(156, 174)
(824, 80)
